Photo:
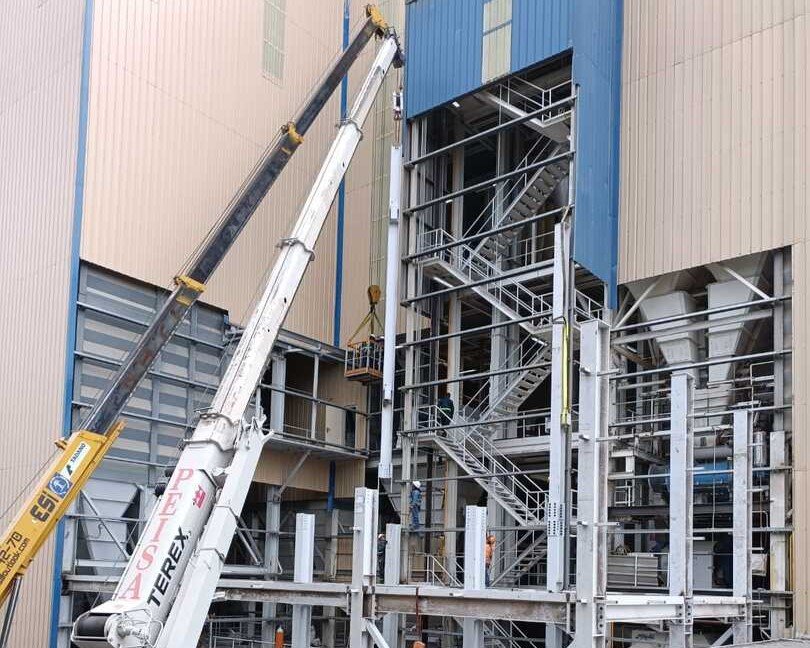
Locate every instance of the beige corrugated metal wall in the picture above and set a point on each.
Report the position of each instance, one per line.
(40, 68)
(715, 149)
(180, 111)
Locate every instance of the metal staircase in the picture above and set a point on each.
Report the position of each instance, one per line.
(462, 265)
(523, 197)
(468, 446)
(530, 549)
(530, 353)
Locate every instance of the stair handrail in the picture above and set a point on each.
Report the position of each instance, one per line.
(507, 189)
(527, 353)
(477, 450)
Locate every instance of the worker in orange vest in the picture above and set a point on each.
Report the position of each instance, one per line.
(489, 550)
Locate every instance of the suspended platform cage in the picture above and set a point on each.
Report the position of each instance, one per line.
(364, 357)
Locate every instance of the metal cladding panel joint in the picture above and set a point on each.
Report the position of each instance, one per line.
(597, 36)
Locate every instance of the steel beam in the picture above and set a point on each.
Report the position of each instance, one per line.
(509, 605)
(680, 507)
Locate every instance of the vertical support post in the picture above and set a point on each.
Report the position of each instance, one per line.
(555, 507)
(273, 523)
(741, 514)
(391, 622)
(278, 375)
(364, 561)
(475, 529)
(316, 370)
(392, 264)
(304, 557)
(777, 477)
(453, 370)
(556, 510)
(591, 566)
(328, 631)
(413, 319)
(681, 465)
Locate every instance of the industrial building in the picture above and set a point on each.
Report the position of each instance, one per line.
(568, 420)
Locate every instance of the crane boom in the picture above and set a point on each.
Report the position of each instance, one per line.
(32, 525)
(164, 593)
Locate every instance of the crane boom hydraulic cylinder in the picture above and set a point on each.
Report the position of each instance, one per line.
(85, 448)
(163, 596)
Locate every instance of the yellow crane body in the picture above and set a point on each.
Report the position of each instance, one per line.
(55, 492)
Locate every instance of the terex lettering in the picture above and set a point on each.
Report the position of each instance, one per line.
(164, 577)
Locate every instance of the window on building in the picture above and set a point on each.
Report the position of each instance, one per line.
(497, 50)
(275, 13)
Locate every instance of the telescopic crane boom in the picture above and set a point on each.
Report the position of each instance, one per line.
(164, 594)
(84, 449)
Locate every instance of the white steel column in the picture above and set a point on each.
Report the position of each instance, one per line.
(272, 525)
(392, 266)
(778, 476)
(304, 557)
(475, 529)
(681, 466)
(556, 521)
(391, 622)
(279, 379)
(592, 454)
(413, 322)
(328, 627)
(741, 504)
(555, 506)
(364, 561)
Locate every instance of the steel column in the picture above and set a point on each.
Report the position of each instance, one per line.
(391, 622)
(392, 265)
(592, 453)
(364, 561)
(304, 557)
(278, 374)
(680, 506)
(778, 477)
(742, 522)
(475, 530)
(272, 525)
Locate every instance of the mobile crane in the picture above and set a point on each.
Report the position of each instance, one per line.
(165, 591)
(219, 444)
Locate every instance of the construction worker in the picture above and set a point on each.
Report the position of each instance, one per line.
(381, 543)
(447, 409)
(489, 551)
(416, 503)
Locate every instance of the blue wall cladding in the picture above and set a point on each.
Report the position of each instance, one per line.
(597, 37)
(444, 43)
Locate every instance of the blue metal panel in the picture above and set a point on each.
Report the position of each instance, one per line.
(444, 40)
(444, 62)
(597, 38)
(540, 29)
